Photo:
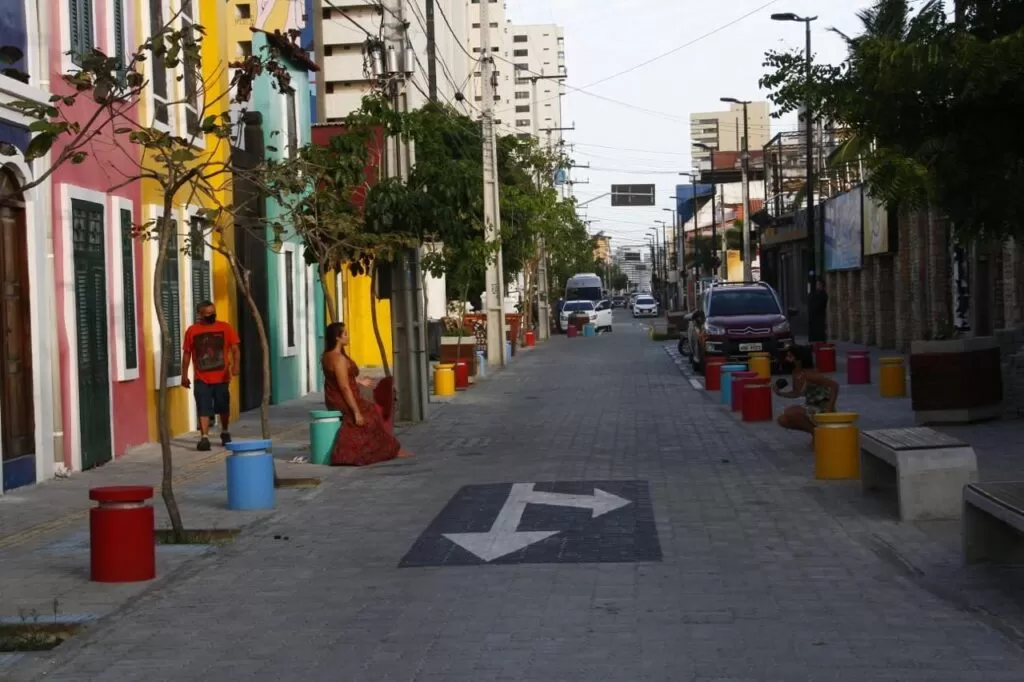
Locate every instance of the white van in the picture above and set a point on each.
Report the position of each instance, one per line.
(585, 286)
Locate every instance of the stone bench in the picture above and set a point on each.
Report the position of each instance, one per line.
(927, 468)
(993, 522)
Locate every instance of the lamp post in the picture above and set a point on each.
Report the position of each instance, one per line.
(664, 261)
(716, 259)
(809, 122)
(745, 165)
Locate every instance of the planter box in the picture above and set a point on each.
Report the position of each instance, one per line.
(956, 382)
(461, 349)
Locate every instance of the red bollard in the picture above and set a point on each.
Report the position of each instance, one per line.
(461, 375)
(824, 357)
(122, 543)
(757, 402)
(858, 367)
(740, 380)
(713, 374)
(529, 339)
(570, 331)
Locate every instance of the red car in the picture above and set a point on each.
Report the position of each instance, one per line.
(735, 319)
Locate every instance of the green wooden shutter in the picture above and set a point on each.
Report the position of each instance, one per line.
(131, 344)
(87, 30)
(119, 40)
(201, 289)
(75, 21)
(170, 300)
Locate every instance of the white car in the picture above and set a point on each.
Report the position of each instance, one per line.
(645, 306)
(600, 314)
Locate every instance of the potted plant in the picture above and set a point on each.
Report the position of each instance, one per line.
(457, 344)
(955, 379)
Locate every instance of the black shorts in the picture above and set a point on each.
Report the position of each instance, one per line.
(212, 399)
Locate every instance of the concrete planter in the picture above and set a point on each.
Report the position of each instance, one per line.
(958, 381)
(459, 349)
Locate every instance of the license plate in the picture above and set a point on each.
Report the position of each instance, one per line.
(749, 347)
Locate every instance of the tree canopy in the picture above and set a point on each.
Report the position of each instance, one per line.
(931, 104)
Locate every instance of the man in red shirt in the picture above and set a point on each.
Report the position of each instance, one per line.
(213, 346)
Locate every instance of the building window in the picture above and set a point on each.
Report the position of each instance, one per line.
(476, 50)
(494, 24)
(170, 298)
(326, 13)
(329, 88)
(522, 67)
(131, 343)
(519, 39)
(523, 123)
(476, 25)
(119, 50)
(191, 73)
(522, 108)
(82, 40)
(291, 124)
(520, 94)
(495, 49)
(158, 78)
(478, 98)
(202, 289)
(328, 50)
(243, 10)
(520, 53)
(245, 49)
(289, 299)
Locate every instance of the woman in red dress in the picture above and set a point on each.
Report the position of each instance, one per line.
(363, 438)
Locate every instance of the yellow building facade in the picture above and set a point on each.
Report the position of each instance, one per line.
(195, 271)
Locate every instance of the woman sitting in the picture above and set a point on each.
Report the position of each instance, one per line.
(363, 438)
(819, 391)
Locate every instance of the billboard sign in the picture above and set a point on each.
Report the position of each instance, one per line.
(844, 227)
(876, 227)
(632, 195)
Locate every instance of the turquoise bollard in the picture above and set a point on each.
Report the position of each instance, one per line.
(725, 397)
(323, 429)
(481, 364)
(508, 352)
(589, 330)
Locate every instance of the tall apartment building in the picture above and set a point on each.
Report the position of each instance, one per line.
(534, 50)
(634, 262)
(342, 28)
(723, 131)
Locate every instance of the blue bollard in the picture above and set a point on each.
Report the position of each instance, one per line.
(250, 475)
(481, 364)
(725, 397)
(323, 429)
(508, 352)
(589, 330)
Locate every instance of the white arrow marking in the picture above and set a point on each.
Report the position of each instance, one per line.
(504, 537)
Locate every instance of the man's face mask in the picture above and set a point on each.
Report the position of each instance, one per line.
(210, 319)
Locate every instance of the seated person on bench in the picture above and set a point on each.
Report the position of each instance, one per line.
(819, 391)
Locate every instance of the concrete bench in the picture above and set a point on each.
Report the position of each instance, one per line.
(993, 522)
(927, 468)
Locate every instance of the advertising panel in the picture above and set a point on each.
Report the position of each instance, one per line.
(844, 227)
(876, 227)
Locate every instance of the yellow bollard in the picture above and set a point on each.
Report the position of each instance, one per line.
(760, 363)
(892, 378)
(836, 446)
(444, 380)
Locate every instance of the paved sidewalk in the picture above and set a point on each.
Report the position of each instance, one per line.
(649, 536)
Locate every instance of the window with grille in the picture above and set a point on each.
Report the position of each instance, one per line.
(131, 343)
(522, 108)
(191, 69)
(202, 287)
(158, 77)
(289, 298)
(519, 39)
(82, 34)
(170, 297)
(520, 53)
(119, 48)
(522, 95)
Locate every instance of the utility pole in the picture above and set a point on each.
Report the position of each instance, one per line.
(408, 317)
(748, 265)
(492, 208)
(431, 51)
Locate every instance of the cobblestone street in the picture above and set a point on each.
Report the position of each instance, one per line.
(651, 537)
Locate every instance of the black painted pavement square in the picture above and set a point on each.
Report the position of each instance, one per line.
(540, 523)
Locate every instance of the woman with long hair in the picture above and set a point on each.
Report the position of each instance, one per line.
(819, 392)
(363, 438)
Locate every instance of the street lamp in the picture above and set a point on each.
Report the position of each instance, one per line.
(808, 121)
(714, 214)
(745, 165)
(664, 260)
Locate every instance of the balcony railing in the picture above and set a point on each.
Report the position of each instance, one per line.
(785, 159)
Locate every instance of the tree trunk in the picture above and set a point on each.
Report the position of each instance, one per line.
(163, 408)
(242, 282)
(332, 301)
(376, 324)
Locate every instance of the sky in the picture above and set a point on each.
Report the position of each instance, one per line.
(719, 55)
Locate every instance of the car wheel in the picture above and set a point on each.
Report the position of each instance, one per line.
(684, 346)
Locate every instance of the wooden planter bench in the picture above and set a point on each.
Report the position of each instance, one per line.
(993, 522)
(928, 470)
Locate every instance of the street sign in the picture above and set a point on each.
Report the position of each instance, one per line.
(541, 523)
(632, 195)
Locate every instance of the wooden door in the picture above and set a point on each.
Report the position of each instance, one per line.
(91, 330)
(17, 409)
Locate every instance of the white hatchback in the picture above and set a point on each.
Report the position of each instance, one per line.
(600, 315)
(645, 306)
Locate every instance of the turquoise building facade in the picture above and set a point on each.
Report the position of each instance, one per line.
(296, 320)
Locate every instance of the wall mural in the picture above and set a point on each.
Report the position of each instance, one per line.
(280, 15)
